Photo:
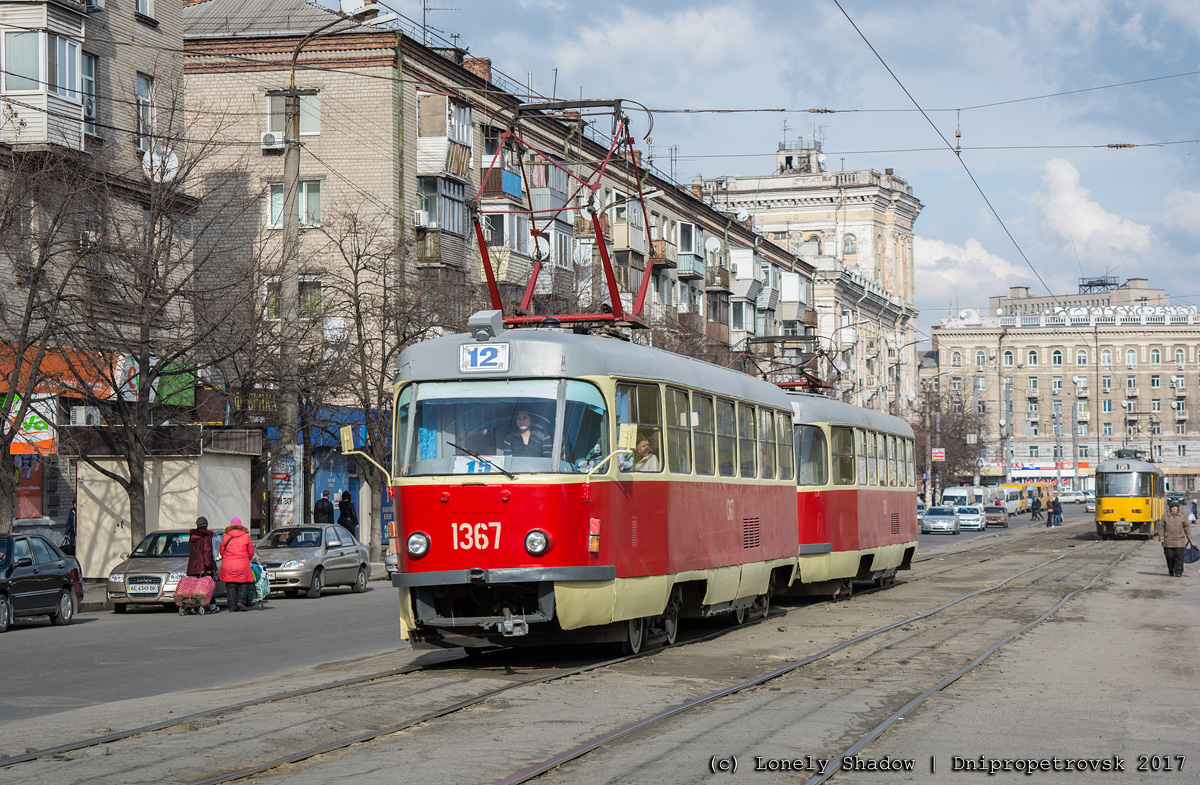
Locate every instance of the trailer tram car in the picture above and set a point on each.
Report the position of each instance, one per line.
(1130, 498)
(523, 522)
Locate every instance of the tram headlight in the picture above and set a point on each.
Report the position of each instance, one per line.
(537, 542)
(418, 544)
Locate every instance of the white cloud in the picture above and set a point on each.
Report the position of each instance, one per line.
(1181, 210)
(966, 274)
(1068, 214)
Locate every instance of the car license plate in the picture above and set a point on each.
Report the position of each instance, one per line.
(270, 575)
(143, 588)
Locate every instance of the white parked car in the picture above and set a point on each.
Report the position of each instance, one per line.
(972, 518)
(1072, 497)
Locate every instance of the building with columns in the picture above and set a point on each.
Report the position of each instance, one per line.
(1075, 377)
(856, 227)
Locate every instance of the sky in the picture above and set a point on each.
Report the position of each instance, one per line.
(1037, 199)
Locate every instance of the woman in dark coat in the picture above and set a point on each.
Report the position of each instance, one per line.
(200, 552)
(347, 517)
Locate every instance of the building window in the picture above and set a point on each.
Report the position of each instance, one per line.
(1081, 407)
(1156, 405)
(1155, 357)
(1083, 448)
(687, 239)
(145, 111)
(1056, 384)
(1033, 428)
(1130, 382)
(1008, 358)
(1033, 382)
(1106, 383)
(735, 315)
(62, 66)
(1081, 357)
(980, 359)
(145, 7)
(1033, 356)
(956, 384)
(718, 307)
(88, 86)
(21, 72)
(956, 359)
(1058, 408)
(309, 204)
(1106, 405)
(849, 245)
(1180, 429)
(1155, 381)
(310, 114)
(309, 306)
(1033, 407)
(1107, 429)
(1131, 358)
(1033, 450)
(1179, 356)
(1056, 357)
(443, 199)
(1156, 428)
(1182, 448)
(1106, 357)
(1057, 452)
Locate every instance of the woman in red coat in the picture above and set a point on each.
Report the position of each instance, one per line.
(236, 552)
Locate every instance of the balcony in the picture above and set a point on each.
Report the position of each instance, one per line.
(628, 236)
(429, 246)
(717, 278)
(1131, 392)
(1082, 392)
(584, 227)
(1180, 392)
(501, 184)
(1033, 394)
(663, 254)
(690, 267)
(1180, 415)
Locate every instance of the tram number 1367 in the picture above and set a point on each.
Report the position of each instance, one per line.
(475, 536)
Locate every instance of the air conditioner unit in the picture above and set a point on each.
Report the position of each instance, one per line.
(272, 140)
(1179, 366)
(89, 106)
(85, 415)
(420, 218)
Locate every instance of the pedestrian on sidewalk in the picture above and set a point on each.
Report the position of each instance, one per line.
(1037, 510)
(323, 509)
(200, 555)
(347, 517)
(1174, 532)
(236, 552)
(1056, 505)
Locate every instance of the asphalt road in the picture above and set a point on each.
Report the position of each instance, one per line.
(103, 657)
(1072, 513)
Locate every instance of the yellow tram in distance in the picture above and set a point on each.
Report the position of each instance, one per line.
(1130, 498)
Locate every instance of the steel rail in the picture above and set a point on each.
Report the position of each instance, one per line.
(832, 767)
(538, 769)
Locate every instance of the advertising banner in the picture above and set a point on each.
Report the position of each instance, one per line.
(284, 487)
(36, 433)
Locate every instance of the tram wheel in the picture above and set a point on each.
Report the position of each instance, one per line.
(737, 617)
(635, 634)
(671, 621)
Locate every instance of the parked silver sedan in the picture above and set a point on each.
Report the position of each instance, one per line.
(940, 519)
(310, 558)
(153, 570)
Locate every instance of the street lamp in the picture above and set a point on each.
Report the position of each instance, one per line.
(359, 12)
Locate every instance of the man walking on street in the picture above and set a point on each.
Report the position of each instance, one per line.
(323, 509)
(1174, 533)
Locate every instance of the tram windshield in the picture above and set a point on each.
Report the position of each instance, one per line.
(498, 426)
(1125, 484)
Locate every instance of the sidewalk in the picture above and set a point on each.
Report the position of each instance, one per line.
(95, 593)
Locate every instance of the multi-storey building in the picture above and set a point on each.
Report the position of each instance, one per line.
(90, 104)
(857, 228)
(1069, 379)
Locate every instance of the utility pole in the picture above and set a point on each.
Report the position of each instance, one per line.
(1006, 428)
(1077, 483)
(1057, 451)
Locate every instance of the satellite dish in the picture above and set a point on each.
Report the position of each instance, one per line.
(712, 245)
(542, 242)
(742, 215)
(912, 397)
(160, 164)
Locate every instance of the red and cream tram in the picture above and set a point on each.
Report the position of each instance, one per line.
(521, 520)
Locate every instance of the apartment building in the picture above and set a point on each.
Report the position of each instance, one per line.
(1075, 377)
(856, 227)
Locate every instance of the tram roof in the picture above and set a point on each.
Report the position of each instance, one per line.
(537, 353)
(1128, 465)
(808, 407)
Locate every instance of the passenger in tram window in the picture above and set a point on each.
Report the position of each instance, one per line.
(524, 441)
(643, 458)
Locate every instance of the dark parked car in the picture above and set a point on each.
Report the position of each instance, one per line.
(37, 579)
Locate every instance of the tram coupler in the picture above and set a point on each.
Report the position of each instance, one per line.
(513, 627)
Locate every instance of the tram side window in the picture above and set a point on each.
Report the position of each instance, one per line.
(872, 473)
(814, 456)
(908, 460)
(861, 440)
(843, 455)
(703, 434)
(893, 474)
(400, 437)
(640, 405)
(881, 457)
(787, 457)
(585, 427)
(679, 432)
(747, 437)
(766, 443)
(726, 438)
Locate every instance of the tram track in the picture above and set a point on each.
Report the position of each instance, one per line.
(197, 720)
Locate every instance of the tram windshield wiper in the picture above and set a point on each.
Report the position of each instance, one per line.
(479, 457)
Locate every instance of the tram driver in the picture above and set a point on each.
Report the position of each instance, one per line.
(524, 441)
(643, 458)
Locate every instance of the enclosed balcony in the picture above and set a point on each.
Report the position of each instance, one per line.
(48, 88)
(690, 267)
(501, 184)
